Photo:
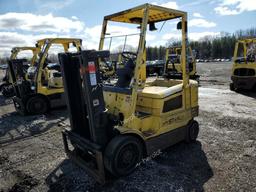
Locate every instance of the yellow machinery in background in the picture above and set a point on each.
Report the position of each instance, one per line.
(6, 88)
(44, 87)
(114, 126)
(173, 67)
(244, 66)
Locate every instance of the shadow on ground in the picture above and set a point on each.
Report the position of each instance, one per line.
(251, 94)
(181, 167)
(5, 101)
(14, 126)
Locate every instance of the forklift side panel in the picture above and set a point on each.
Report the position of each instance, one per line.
(165, 140)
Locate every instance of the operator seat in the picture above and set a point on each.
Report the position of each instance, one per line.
(125, 74)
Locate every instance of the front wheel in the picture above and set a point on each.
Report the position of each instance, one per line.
(122, 154)
(37, 105)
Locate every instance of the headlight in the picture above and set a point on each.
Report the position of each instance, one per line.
(33, 88)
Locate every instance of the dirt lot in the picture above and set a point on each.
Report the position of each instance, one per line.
(223, 159)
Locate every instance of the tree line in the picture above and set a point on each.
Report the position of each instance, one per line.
(208, 47)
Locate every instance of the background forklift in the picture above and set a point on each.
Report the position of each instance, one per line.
(244, 66)
(114, 126)
(6, 88)
(173, 67)
(44, 87)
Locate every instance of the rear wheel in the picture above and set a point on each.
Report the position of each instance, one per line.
(37, 105)
(193, 131)
(122, 155)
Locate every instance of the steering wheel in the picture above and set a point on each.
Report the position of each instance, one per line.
(129, 55)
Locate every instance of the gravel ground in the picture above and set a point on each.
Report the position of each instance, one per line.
(223, 159)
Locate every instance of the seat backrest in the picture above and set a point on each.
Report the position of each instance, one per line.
(125, 74)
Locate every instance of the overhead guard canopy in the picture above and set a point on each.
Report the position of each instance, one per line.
(58, 40)
(247, 40)
(23, 49)
(135, 15)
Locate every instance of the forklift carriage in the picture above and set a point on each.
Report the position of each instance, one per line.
(20, 85)
(7, 88)
(114, 126)
(88, 135)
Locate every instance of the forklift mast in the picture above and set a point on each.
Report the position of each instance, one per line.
(17, 74)
(85, 98)
(91, 126)
(14, 53)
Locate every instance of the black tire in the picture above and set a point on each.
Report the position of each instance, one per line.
(37, 105)
(193, 131)
(232, 87)
(122, 154)
(7, 90)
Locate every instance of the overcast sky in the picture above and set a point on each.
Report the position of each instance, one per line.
(22, 22)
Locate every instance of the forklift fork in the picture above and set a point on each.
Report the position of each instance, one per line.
(94, 165)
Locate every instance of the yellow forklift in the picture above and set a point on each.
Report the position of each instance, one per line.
(173, 67)
(6, 88)
(43, 87)
(114, 126)
(244, 66)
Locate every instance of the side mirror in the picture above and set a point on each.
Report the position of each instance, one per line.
(179, 26)
(152, 26)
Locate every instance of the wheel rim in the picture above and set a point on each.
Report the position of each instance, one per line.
(38, 106)
(127, 158)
